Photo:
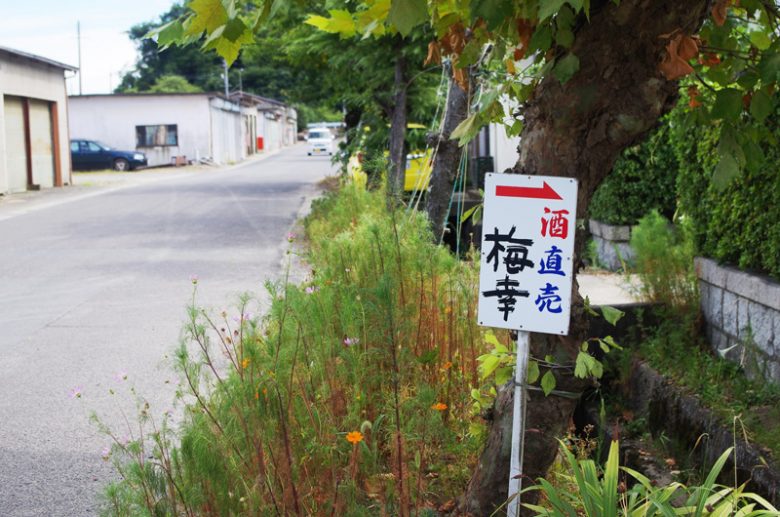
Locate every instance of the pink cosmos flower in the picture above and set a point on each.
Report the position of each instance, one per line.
(76, 393)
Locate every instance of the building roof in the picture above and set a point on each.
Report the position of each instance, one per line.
(256, 100)
(154, 94)
(37, 59)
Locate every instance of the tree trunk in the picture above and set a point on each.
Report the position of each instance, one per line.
(395, 180)
(578, 129)
(447, 157)
(351, 120)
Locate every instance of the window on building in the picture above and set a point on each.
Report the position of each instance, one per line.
(153, 136)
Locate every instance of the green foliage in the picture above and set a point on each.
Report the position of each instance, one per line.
(597, 492)
(378, 346)
(676, 350)
(173, 84)
(732, 221)
(664, 261)
(643, 179)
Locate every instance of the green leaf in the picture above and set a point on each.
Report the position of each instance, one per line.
(548, 382)
(769, 67)
(728, 104)
(610, 341)
(475, 210)
(228, 39)
(208, 15)
(466, 130)
(729, 145)
(533, 372)
(168, 34)
(500, 349)
(541, 39)
(470, 54)
(725, 171)
(548, 8)
(503, 374)
(566, 67)
(494, 12)
(760, 40)
(611, 314)
(489, 365)
(761, 106)
(581, 365)
(491, 339)
(476, 395)
(405, 15)
(564, 38)
(515, 129)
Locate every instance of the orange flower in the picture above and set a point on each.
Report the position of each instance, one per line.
(439, 406)
(355, 437)
(245, 363)
(446, 366)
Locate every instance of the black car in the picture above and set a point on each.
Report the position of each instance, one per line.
(89, 154)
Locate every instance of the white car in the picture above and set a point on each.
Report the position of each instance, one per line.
(320, 141)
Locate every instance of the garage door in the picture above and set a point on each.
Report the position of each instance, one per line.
(16, 157)
(41, 144)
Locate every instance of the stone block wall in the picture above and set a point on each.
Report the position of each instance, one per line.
(742, 313)
(612, 248)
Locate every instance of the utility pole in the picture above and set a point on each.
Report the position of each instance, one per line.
(227, 87)
(240, 80)
(78, 38)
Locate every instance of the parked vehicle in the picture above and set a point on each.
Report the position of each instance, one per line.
(320, 141)
(89, 154)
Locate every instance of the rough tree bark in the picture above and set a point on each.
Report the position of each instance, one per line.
(578, 129)
(395, 181)
(351, 120)
(447, 158)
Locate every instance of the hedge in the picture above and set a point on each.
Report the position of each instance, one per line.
(739, 224)
(642, 179)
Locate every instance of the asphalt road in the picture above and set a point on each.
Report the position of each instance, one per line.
(93, 287)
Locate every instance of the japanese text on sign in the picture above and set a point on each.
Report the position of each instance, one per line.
(527, 250)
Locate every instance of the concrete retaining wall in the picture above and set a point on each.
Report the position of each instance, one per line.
(612, 247)
(742, 313)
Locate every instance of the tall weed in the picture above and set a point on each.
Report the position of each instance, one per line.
(664, 261)
(350, 397)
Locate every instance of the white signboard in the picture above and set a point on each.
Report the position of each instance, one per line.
(527, 252)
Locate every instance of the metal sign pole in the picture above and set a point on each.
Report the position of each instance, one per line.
(518, 425)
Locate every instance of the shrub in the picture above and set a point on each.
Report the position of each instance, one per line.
(642, 179)
(664, 261)
(736, 224)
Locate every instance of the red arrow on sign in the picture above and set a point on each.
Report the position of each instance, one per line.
(545, 192)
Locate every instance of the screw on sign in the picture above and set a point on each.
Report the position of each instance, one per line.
(526, 274)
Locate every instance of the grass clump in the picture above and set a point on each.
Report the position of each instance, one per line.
(664, 262)
(350, 397)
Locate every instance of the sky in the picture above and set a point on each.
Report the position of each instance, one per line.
(48, 28)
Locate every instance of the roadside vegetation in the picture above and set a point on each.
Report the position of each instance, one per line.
(350, 397)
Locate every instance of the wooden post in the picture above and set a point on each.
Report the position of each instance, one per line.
(55, 143)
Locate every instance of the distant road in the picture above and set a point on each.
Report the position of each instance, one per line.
(94, 284)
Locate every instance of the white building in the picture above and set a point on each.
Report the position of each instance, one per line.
(277, 123)
(34, 151)
(165, 126)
